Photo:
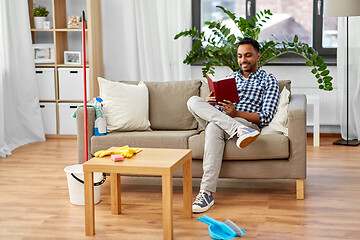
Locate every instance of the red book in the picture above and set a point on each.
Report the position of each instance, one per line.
(223, 89)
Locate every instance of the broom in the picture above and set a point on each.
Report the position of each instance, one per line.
(85, 100)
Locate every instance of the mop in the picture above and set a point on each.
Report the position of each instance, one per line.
(85, 100)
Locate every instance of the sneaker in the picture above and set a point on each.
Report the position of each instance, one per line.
(246, 136)
(204, 200)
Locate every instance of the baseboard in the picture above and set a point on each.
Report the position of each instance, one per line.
(60, 136)
(332, 135)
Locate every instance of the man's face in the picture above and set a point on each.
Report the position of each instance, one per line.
(248, 58)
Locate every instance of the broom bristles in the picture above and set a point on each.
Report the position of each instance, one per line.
(239, 232)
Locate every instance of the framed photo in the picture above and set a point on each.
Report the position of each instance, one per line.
(44, 53)
(72, 57)
(73, 22)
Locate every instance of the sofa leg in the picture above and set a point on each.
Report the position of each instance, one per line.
(299, 189)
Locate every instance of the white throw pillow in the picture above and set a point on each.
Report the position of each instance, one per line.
(126, 106)
(279, 123)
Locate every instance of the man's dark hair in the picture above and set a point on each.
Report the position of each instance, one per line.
(251, 41)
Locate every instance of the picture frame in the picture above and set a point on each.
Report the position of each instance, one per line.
(72, 57)
(73, 22)
(44, 53)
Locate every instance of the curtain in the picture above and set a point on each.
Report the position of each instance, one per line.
(138, 39)
(354, 76)
(20, 118)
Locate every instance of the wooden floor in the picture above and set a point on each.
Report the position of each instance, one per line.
(34, 200)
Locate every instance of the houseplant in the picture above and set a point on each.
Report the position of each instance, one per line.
(220, 48)
(40, 13)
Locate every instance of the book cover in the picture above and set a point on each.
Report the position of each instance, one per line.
(223, 89)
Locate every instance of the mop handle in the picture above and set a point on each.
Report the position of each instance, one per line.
(85, 100)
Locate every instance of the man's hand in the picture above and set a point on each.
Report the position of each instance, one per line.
(211, 99)
(228, 107)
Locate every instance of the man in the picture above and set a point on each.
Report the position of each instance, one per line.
(259, 97)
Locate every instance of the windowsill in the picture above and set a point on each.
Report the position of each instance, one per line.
(293, 60)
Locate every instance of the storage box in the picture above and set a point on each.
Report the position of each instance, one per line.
(67, 124)
(48, 115)
(46, 83)
(71, 84)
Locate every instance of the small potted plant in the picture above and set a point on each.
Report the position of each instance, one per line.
(40, 13)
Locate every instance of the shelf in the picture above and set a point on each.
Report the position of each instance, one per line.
(60, 65)
(44, 64)
(54, 101)
(58, 30)
(42, 30)
(72, 65)
(61, 101)
(70, 101)
(69, 30)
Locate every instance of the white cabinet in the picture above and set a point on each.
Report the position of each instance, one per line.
(71, 84)
(67, 124)
(48, 115)
(71, 95)
(45, 78)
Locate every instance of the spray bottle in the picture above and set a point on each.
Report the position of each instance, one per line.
(100, 122)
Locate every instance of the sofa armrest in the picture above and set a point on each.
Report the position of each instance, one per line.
(297, 134)
(80, 131)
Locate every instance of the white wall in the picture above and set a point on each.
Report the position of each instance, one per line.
(302, 81)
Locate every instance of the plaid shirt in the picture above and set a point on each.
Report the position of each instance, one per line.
(258, 94)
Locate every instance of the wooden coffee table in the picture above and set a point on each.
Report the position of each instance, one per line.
(150, 161)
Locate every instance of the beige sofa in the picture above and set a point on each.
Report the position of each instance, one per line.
(271, 156)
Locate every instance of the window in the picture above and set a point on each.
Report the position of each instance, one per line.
(325, 39)
(289, 18)
(301, 17)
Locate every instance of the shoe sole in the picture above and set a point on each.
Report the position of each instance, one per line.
(204, 209)
(246, 142)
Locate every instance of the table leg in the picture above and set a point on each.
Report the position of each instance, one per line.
(89, 204)
(115, 190)
(167, 204)
(187, 189)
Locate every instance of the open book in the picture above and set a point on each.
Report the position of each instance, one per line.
(223, 89)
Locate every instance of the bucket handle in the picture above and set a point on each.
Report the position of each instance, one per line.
(95, 184)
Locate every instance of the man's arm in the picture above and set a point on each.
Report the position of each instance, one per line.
(251, 117)
(229, 108)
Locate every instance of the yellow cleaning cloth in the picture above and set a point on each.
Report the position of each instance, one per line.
(125, 151)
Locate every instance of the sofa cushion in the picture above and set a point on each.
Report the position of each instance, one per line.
(153, 139)
(204, 89)
(279, 123)
(126, 107)
(168, 108)
(271, 146)
(285, 83)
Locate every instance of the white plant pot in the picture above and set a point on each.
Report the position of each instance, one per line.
(39, 22)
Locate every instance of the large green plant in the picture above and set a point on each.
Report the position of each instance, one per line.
(220, 48)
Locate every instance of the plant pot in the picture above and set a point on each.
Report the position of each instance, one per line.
(39, 22)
